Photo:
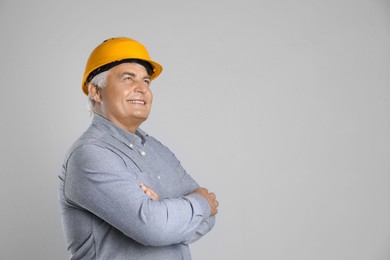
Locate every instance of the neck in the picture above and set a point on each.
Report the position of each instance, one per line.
(127, 125)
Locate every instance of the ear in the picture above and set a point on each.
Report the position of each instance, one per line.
(94, 92)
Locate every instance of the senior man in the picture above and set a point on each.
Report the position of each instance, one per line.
(124, 195)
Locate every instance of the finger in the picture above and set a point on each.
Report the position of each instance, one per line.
(155, 195)
(212, 195)
(150, 192)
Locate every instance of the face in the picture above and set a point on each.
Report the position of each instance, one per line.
(126, 99)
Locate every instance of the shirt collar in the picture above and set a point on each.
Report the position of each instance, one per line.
(119, 133)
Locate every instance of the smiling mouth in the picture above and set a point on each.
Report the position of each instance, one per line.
(136, 102)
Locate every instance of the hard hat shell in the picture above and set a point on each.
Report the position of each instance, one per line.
(114, 50)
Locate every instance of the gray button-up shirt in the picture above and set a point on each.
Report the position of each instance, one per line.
(105, 213)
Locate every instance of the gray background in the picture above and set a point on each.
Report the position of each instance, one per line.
(280, 107)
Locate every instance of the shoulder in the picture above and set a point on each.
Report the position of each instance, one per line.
(92, 144)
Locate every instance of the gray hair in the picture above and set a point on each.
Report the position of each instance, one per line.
(100, 81)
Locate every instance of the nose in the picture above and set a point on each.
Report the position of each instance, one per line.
(141, 87)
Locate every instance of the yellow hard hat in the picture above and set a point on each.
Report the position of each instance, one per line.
(114, 51)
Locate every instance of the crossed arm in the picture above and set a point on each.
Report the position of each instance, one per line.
(101, 185)
(210, 196)
(206, 225)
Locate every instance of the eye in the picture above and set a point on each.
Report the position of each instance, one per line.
(147, 82)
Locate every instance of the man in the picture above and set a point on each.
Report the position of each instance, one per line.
(123, 195)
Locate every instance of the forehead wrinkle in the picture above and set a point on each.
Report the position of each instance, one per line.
(130, 73)
(127, 73)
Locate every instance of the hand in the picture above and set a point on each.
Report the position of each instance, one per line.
(211, 198)
(150, 192)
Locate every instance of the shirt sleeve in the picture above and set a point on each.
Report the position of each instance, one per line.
(97, 180)
(202, 230)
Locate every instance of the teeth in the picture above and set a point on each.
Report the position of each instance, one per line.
(137, 102)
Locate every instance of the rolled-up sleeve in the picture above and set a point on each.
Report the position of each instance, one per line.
(98, 180)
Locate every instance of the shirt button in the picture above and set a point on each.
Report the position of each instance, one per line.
(131, 145)
(158, 176)
(142, 153)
